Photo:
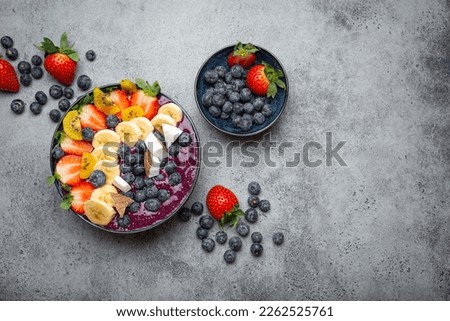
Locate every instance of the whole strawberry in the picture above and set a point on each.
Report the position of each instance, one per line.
(243, 55)
(8, 77)
(60, 62)
(263, 80)
(223, 205)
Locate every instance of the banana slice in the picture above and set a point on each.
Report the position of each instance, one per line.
(129, 132)
(144, 125)
(161, 119)
(103, 194)
(99, 212)
(105, 152)
(110, 168)
(171, 110)
(105, 136)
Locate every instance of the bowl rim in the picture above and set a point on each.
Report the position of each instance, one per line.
(243, 134)
(188, 195)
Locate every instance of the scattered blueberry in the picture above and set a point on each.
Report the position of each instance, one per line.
(208, 244)
(64, 104)
(36, 60)
(256, 237)
(90, 55)
(214, 111)
(211, 76)
(97, 178)
(170, 167)
(258, 103)
(68, 92)
(266, 110)
(237, 71)
(163, 195)
(264, 205)
(12, 53)
(41, 97)
(84, 82)
(128, 177)
(254, 188)
(55, 91)
(139, 183)
(37, 72)
(25, 79)
(128, 194)
(57, 153)
(160, 137)
(201, 233)
(253, 201)
(17, 106)
(124, 221)
(139, 196)
(134, 207)
(151, 191)
(160, 177)
(174, 150)
(206, 221)
(148, 182)
(256, 249)
(184, 214)
(229, 256)
(7, 42)
(259, 119)
(55, 115)
(242, 229)
(235, 243)
(152, 205)
(197, 208)
(175, 179)
(278, 238)
(112, 121)
(251, 215)
(24, 67)
(35, 108)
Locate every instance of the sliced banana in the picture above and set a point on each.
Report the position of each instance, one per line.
(105, 136)
(120, 183)
(103, 194)
(105, 152)
(144, 125)
(171, 110)
(161, 119)
(110, 168)
(128, 132)
(99, 212)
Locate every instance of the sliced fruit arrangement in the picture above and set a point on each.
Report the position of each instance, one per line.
(112, 153)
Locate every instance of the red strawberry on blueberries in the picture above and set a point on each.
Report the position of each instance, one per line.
(243, 55)
(8, 77)
(223, 205)
(146, 98)
(263, 80)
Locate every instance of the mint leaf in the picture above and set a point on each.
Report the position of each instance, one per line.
(141, 83)
(150, 90)
(272, 90)
(65, 204)
(51, 180)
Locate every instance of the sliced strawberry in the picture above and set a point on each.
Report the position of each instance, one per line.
(120, 99)
(75, 147)
(68, 168)
(80, 194)
(91, 117)
(149, 104)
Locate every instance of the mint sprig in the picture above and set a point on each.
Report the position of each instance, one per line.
(52, 179)
(66, 201)
(150, 90)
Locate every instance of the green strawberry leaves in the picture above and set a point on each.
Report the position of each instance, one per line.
(231, 217)
(244, 50)
(150, 90)
(49, 47)
(274, 78)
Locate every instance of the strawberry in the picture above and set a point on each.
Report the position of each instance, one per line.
(264, 79)
(80, 193)
(68, 168)
(60, 62)
(8, 77)
(223, 205)
(120, 99)
(75, 147)
(91, 117)
(243, 55)
(146, 97)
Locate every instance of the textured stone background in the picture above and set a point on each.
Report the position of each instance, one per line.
(375, 73)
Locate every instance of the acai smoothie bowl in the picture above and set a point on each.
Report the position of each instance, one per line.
(125, 157)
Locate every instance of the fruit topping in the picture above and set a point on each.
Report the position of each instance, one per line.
(80, 194)
(128, 86)
(161, 119)
(106, 137)
(88, 162)
(75, 147)
(171, 110)
(132, 112)
(129, 132)
(121, 203)
(87, 134)
(92, 117)
(99, 212)
(144, 125)
(72, 125)
(68, 168)
(109, 168)
(145, 97)
(104, 194)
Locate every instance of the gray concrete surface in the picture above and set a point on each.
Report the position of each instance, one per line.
(374, 73)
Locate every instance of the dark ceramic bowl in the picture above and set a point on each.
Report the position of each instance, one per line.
(220, 59)
(196, 145)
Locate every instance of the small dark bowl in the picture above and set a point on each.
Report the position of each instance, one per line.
(62, 193)
(220, 59)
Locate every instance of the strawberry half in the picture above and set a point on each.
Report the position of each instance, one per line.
(146, 97)
(120, 99)
(68, 168)
(75, 147)
(8, 77)
(60, 62)
(80, 194)
(91, 117)
(223, 205)
(243, 55)
(264, 79)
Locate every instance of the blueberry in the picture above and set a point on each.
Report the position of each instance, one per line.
(218, 100)
(124, 168)
(197, 208)
(84, 82)
(245, 124)
(237, 71)
(238, 108)
(248, 117)
(266, 110)
(201, 233)
(128, 194)
(174, 150)
(55, 115)
(123, 150)
(237, 85)
(163, 195)
(160, 177)
(24, 67)
(57, 153)
(246, 95)
(254, 188)
(7, 42)
(264, 205)
(184, 140)
(25, 79)
(152, 205)
(256, 249)
(259, 119)
(224, 115)
(87, 134)
(221, 237)
(138, 170)
(35, 108)
(229, 256)
(170, 167)
(208, 244)
(97, 178)
(258, 103)
(220, 88)
(228, 78)
(227, 107)
(124, 221)
(251, 215)
(141, 146)
(17, 106)
(55, 91)
(234, 97)
(139, 183)
(236, 121)
(253, 201)
(64, 104)
(206, 221)
(207, 99)
(90, 55)
(130, 159)
(151, 191)
(221, 71)
(36, 60)
(214, 111)
(134, 207)
(37, 72)
(256, 237)
(184, 214)
(139, 196)
(128, 177)
(242, 229)
(12, 53)
(211, 76)
(148, 182)
(164, 162)
(278, 238)
(248, 108)
(235, 243)
(68, 92)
